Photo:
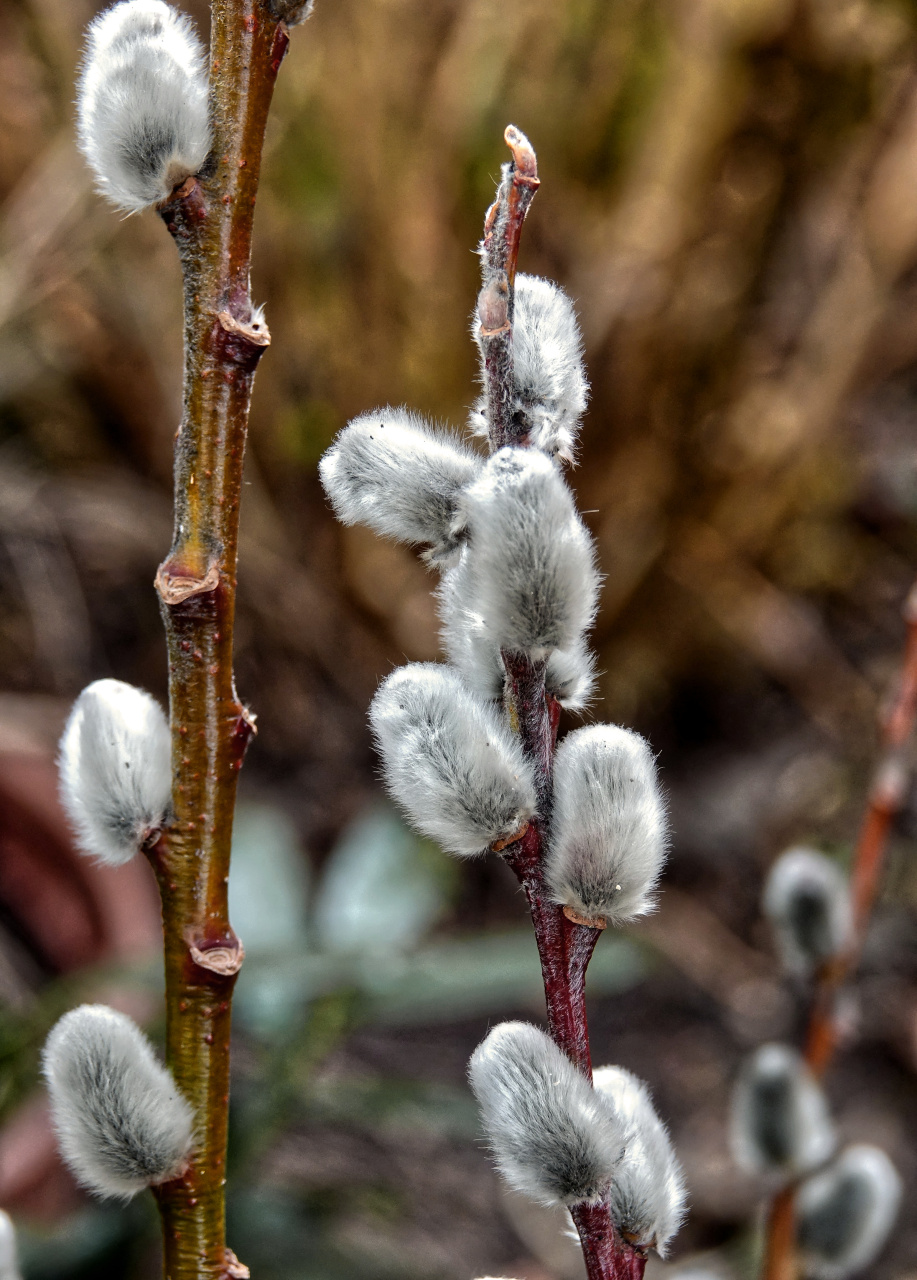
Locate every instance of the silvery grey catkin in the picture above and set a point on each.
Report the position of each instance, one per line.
(472, 648)
(552, 1135)
(393, 472)
(142, 102)
(807, 900)
(647, 1193)
(449, 759)
(551, 390)
(528, 569)
(781, 1124)
(846, 1213)
(121, 1123)
(608, 834)
(115, 769)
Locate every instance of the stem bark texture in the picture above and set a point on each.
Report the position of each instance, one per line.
(210, 218)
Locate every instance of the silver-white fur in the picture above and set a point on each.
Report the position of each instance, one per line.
(807, 899)
(115, 770)
(846, 1213)
(551, 390)
(553, 1136)
(143, 117)
(390, 470)
(9, 1266)
(607, 843)
(121, 1124)
(450, 759)
(528, 571)
(569, 675)
(647, 1195)
(781, 1123)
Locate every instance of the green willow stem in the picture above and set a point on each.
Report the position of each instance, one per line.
(210, 218)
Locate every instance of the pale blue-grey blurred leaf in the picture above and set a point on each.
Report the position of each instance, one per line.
(382, 888)
(268, 885)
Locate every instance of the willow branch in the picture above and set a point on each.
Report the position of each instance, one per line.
(565, 944)
(886, 798)
(210, 219)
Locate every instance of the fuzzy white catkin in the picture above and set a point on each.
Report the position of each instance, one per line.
(121, 1123)
(9, 1267)
(647, 1194)
(807, 900)
(528, 571)
(607, 843)
(450, 760)
(143, 115)
(115, 769)
(781, 1123)
(390, 470)
(846, 1213)
(552, 1135)
(551, 390)
(569, 675)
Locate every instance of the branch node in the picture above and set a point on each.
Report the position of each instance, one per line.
(233, 1269)
(176, 588)
(224, 959)
(254, 331)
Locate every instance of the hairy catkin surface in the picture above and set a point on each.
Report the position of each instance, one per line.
(608, 836)
(120, 1122)
(142, 102)
(115, 770)
(550, 387)
(450, 760)
(552, 1135)
(392, 471)
(647, 1194)
(528, 572)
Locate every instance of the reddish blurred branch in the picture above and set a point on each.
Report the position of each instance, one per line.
(211, 221)
(886, 798)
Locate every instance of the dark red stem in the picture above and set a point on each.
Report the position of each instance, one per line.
(604, 1252)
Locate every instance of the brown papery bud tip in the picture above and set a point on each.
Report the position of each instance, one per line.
(493, 306)
(499, 845)
(524, 159)
(590, 922)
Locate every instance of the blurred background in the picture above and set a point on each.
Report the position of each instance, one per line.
(730, 195)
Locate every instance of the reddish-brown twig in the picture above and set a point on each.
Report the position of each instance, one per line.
(886, 797)
(565, 945)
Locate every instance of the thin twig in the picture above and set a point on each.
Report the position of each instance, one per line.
(886, 798)
(211, 221)
(499, 252)
(565, 946)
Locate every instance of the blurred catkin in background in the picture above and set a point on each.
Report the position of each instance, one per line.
(730, 196)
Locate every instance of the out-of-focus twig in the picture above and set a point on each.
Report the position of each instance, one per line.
(886, 798)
